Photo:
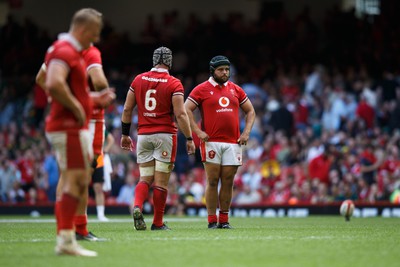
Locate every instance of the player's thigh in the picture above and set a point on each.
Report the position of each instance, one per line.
(231, 155)
(211, 152)
(72, 148)
(144, 151)
(165, 147)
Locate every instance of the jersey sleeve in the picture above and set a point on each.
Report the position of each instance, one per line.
(242, 96)
(61, 55)
(195, 96)
(92, 57)
(177, 88)
(134, 84)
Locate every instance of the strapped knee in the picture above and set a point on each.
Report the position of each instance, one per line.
(165, 167)
(146, 171)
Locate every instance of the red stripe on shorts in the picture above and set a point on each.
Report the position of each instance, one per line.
(74, 152)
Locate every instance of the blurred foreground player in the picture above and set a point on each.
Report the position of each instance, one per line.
(67, 121)
(102, 99)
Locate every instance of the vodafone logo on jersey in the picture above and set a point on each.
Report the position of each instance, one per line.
(223, 102)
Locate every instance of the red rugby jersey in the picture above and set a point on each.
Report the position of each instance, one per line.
(153, 92)
(67, 51)
(219, 107)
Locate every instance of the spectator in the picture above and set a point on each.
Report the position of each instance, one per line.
(51, 168)
(127, 191)
(192, 191)
(319, 166)
(248, 196)
(10, 182)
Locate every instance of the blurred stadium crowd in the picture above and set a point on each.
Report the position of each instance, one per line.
(327, 97)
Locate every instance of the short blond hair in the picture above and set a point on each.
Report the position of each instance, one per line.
(85, 16)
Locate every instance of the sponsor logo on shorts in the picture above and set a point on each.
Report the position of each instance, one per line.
(211, 154)
(164, 154)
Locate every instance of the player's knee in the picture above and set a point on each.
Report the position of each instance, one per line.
(146, 171)
(213, 180)
(98, 187)
(165, 167)
(212, 183)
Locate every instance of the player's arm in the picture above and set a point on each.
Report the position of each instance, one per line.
(126, 118)
(41, 77)
(190, 107)
(57, 87)
(250, 113)
(104, 96)
(181, 115)
(183, 121)
(98, 78)
(109, 143)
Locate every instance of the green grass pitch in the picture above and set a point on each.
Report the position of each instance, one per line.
(311, 241)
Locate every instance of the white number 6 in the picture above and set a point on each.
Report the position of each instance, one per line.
(150, 102)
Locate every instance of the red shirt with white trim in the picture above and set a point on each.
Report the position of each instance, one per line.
(219, 107)
(153, 92)
(67, 52)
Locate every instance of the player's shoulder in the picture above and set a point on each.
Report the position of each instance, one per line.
(173, 80)
(232, 84)
(91, 51)
(63, 51)
(203, 86)
(140, 75)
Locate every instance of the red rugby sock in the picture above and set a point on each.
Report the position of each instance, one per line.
(223, 216)
(57, 215)
(159, 199)
(80, 222)
(67, 209)
(212, 218)
(141, 194)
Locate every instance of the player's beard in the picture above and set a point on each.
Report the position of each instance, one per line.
(221, 80)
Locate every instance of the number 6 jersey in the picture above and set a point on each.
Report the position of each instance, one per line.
(153, 92)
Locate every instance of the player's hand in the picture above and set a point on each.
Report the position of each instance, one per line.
(203, 136)
(126, 143)
(106, 97)
(190, 147)
(80, 114)
(242, 141)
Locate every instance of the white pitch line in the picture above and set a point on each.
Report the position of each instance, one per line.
(172, 238)
(96, 221)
